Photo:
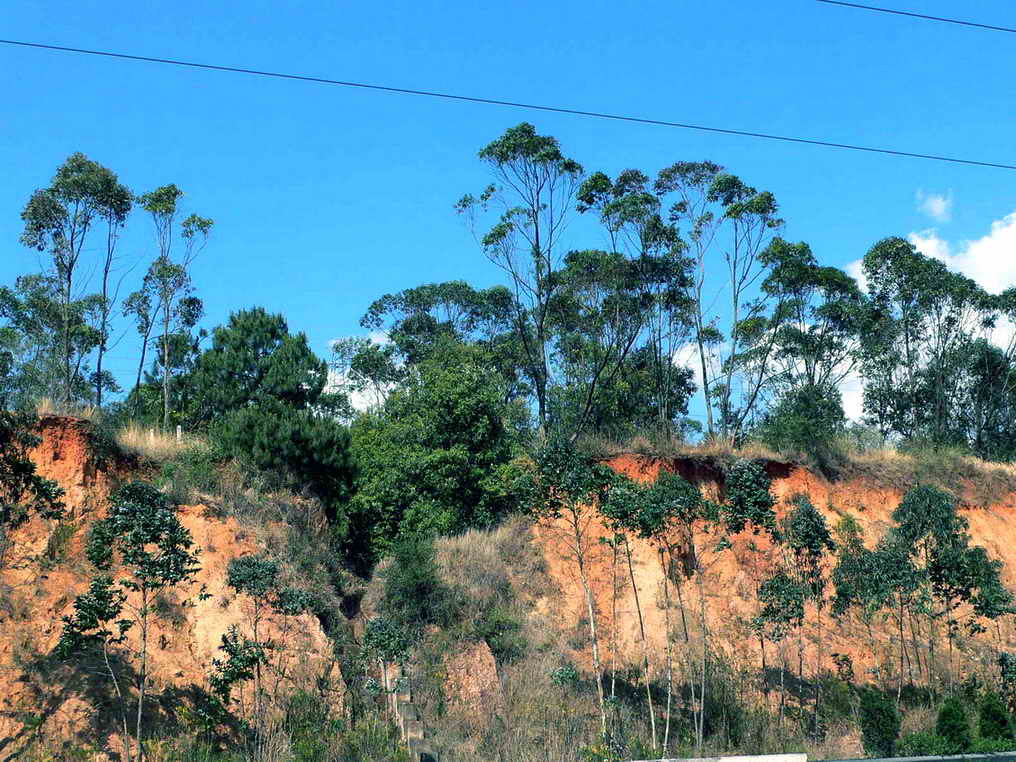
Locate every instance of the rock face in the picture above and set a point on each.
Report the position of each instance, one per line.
(731, 577)
(46, 569)
(471, 681)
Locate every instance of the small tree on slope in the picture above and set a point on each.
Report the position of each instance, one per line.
(139, 549)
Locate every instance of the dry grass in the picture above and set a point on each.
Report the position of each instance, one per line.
(651, 445)
(152, 444)
(49, 407)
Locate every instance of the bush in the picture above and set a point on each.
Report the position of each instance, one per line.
(748, 499)
(502, 632)
(993, 720)
(924, 744)
(954, 726)
(190, 470)
(992, 745)
(880, 724)
(306, 450)
(414, 595)
(807, 421)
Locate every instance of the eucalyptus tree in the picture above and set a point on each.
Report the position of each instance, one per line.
(781, 598)
(916, 340)
(630, 212)
(724, 219)
(600, 312)
(626, 509)
(139, 549)
(259, 580)
(809, 541)
(169, 280)
(424, 320)
(138, 305)
(531, 198)
(857, 579)
(114, 203)
(34, 331)
(932, 534)
(674, 511)
(58, 220)
(564, 488)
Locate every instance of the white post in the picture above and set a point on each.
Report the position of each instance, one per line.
(178, 432)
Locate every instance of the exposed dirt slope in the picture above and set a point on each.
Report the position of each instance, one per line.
(43, 574)
(731, 578)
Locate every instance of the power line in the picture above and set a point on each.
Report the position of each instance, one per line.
(926, 17)
(514, 104)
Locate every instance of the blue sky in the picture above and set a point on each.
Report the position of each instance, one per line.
(324, 197)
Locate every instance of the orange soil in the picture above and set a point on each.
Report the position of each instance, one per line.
(35, 595)
(730, 579)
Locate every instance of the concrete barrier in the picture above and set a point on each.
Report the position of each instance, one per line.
(758, 758)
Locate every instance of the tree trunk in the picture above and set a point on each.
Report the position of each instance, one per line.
(645, 646)
(591, 613)
(143, 677)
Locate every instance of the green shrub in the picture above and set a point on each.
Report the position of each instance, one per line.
(993, 720)
(954, 726)
(414, 595)
(992, 745)
(502, 632)
(749, 502)
(924, 744)
(566, 676)
(880, 724)
(807, 421)
(192, 470)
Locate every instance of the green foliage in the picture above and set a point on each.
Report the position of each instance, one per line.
(431, 460)
(808, 537)
(993, 719)
(924, 744)
(1007, 679)
(241, 658)
(565, 676)
(953, 725)
(22, 491)
(260, 389)
(144, 533)
(563, 479)
(384, 640)
(782, 606)
(414, 596)
(502, 633)
(807, 420)
(748, 501)
(96, 619)
(254, 359)
(880, 724)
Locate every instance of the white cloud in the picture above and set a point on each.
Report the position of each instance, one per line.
(989, 260)
(855, 270)
(935, 205)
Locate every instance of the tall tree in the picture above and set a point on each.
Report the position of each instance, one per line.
(720, 216)
(535, 184)
(139, 549)
(58, 220)
(114, 202)
(631, 214)
(565, 489)
(916, 340)
(168, 279)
